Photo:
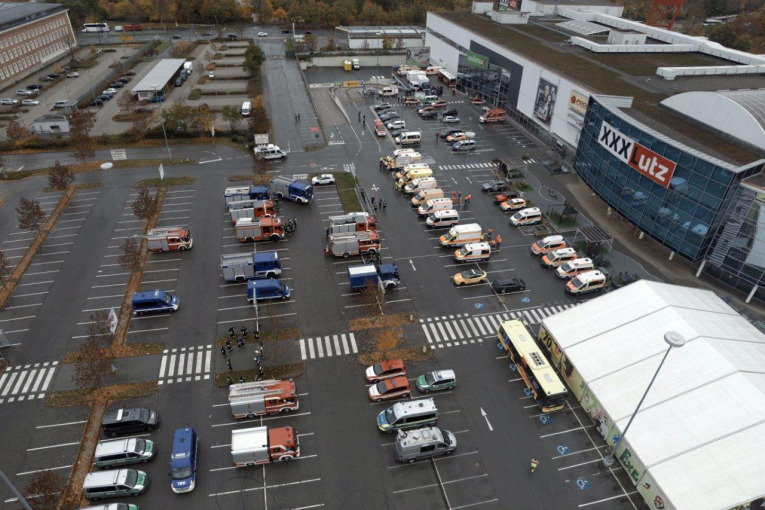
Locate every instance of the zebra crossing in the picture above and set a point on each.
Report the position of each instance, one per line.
(185, 364)
(463, 329)
(321, 347)
(473, 166)
(26, 382)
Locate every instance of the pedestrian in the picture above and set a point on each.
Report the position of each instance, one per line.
(534, 464)
(365, 119)
(459, 197)
(298, 116)
(257, 336)
(241, 378)
(228, 362)
(359, 115)
(223, 351)
(228, 344)
(468, 198)
(261, 345)
(499, 241)
(375, 207)
(295, 115)
(372, 199)
(437, 136)
(229, 381)
(454, 196)
(244, 331)
(231, 332)
(454, 91)
(239, 343)
(384, 204)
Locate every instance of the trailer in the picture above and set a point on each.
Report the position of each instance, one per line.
(262, 445)
(236, 194)
(351, 222)
(291, 189)
(259, 209)
(164, 239)
(356, 243)
(258, 398)
(259, 230)
(240, 267)
(385, 276)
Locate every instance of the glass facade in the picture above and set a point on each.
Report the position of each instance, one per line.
(492, 84)
(685, 216)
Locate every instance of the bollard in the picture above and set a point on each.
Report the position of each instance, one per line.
(411, 317)
(424, 349)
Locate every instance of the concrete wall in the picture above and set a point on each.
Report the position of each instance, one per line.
(365, 61)
(442, 53)
(377, 42)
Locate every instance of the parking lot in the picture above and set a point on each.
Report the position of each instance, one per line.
(345, 461)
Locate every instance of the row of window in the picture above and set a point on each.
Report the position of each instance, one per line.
(18, 51)
(34, 32)
(32, 60)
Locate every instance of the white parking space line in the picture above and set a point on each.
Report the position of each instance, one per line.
(48, 469)
(52, 446)
(61, 424)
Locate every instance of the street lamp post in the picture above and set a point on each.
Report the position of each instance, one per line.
(673, 339)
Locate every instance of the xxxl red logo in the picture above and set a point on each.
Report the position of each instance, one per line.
(654, 166)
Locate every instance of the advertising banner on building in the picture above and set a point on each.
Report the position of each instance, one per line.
(502, 5)
(544, 104)
(476, 60)
(578, 102)
(652, 165)
(419, 57)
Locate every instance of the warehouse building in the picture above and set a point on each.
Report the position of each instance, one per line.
(156, 81)
(367, 37)
(667, 130)
(32, 35)
(694, 443)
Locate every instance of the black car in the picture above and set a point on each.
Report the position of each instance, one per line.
(386, 116)
(231, 36)
(47, 79)
(125, 421)
(448, 132)
(382, 107)
(97, 102)
(494, 186)
(117, 85)
(429, 115)
(176, 36)
(103, 97)
(66, 69)
(450, 111)
(509, 284)
(54, 76)
(34, 86)
(286, 31)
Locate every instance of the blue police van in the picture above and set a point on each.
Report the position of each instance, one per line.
(183, 460)
(154, 301)
(267, 289)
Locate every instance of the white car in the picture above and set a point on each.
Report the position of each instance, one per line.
(211, 74)
(9, 102)
(262, 34)
(450, 119)
(30, 102)
(110, 91)
(396, 124)
(323, 179)
(73, 75)
(24, 92)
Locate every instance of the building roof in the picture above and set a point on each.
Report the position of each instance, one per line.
(614, 74)
(13, 14)
(159, 75)
(702, 417)
(582, 27)
(573, 3)
(372, 31)
(52, 118)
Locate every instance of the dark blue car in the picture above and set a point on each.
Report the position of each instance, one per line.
(157, 99)
(183, 461)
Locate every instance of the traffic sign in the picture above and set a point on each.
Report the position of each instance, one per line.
(112, 320)
(118, 154)
(161, 172)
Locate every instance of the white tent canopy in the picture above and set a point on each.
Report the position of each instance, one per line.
(701, 426)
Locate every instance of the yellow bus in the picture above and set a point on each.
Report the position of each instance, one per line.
(540, 378)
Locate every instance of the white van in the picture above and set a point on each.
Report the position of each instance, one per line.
(473, 252)
(590, 281)
(574, 268)
(420, 173)
(388, 91)
(435, 204)
(464, 146)
(408, 168)
(558, 257)
(462, 234)
(445, 218)
(430, 99)
(528, 216)
(420, 184)
(425, 195)
(432, 69)
(409, 138)
(246, 109)
(356, 64)
(548, 244)
(270, 151)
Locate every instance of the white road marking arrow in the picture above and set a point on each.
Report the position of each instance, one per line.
(483, 413)
(413, 268)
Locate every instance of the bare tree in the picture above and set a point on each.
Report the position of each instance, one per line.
(94, 360)
(310, 42)
(126, 102)
(5, 270)
(3, 165)
(145, 205)
(79, 131)
(399, 43)
(44, 490)
(231, 115)
(16, 134)
(260, 169)
(30, 215)
(60, 176)
(130, 260)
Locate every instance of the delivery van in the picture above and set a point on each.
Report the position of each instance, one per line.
(440, 219)
(420, 184)
(528, 216)
(574, 268)
(558, 257)
(408, 168)
(435, 204)
(388, 91)
(262, 290)
(154, 301)
(423, 444)
(473, 252)
(459, 235)
(548, 244)
(425, 195)
(409, 138)
(246, 109)
(591, 281)
(408, 415)
(414, 174)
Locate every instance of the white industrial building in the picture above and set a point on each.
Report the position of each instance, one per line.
(49, 125)
(357, 38)
(695, 442)
(161, 75)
